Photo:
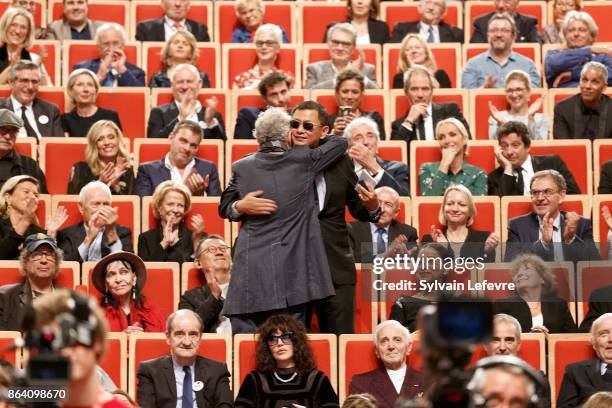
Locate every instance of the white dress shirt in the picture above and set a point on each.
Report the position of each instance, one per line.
(424, 32)
(397, 377)
(170, 29)
(31, 118)
(175, 174)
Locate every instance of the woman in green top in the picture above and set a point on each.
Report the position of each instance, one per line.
(435, 177)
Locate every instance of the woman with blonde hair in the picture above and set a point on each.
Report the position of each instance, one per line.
(359, 401)
(180, 48)
(82, 89)
(601, 399)
(415, 51)
(106, 159)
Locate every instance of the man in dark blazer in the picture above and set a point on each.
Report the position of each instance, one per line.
(180, 164)
(392, 356)
(184, 375)
(40, 118)
(371, 239)
(174, 19)
(552, 234)
(517, 165)
(431, 26)
(600, 302)
(185, 85)
(98, 234)
(587, 115)
(526, 26)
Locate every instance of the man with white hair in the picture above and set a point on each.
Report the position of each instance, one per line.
(393, 378)
(431, 27)
(111, 66)
(174, 19)
(585, 378)
(98, 234)
(341, 41)
(562, 67)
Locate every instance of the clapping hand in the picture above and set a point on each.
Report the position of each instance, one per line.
(196, 183)
(56, 221)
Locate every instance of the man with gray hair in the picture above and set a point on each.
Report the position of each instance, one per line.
(341, 41)
(587, 115)
(393, 378)
(111, 66)
(174, 19)
(562, 67)
(431, 27)
(98, 234)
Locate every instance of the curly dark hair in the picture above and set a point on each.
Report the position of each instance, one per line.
(302, 353)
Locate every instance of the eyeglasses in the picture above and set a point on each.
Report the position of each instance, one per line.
(515, 90)
(308, 126)
(547, 192)
(193, 336)
(260, 44)
(286, 338)
(37, 256)
(214, 249)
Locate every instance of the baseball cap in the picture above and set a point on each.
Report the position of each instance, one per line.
(33, 241)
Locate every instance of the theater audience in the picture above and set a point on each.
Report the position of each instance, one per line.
(349, 92)
(421, 119)
(363, 16)
(82, 89)
(107, 159)
(40, 33)
(518, 94)
(98, 234)
(213, 262)
(526, 26)
(75, 23)
(588, 114)
(341, 42)
(285, 369)
(170, 240)
(562, 67)
(250, 15)
(40, 118)
(268, 40)
(174, 19)
(431, 27)
(393, 379)
(185, 84)
(415, 51)
(457, 214)
(517, 166)
(587, 377)
(551, 33)
(488, 69)
(548, 232)
(181, 165)
(435, 177)
(180, 48)
(120, 278)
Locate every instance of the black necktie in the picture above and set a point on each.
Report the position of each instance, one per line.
(187, 390)
(520, 182)
(29, 130)
(607, 376)
(380, 241)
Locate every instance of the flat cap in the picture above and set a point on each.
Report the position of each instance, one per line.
(8, 118)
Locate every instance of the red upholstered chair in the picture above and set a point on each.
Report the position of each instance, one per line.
(114, 11)
(320, 52)
(235, 150)
(57, 156)
(162, 96)
(115, 360)
(600, 227)
(366, 301)
(403, 216)
(54, 95)
(564, 349)
(315, 17)
(602, 152)
(396, 12)
(132, 105)
(190, 277)
(473, 9)
(276, 12)
(147, 346)
(26, 146)
(591, 275)
(49, 51)
(140, 10)
(600, 10)
(7, 340)
(68, 277)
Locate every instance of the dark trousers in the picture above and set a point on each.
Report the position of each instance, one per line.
(336, 314)
(248, 323)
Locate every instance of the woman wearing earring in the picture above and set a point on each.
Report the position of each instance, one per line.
(120, 277)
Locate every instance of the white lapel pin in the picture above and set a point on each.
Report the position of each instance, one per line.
(198, 385)
(43, 119)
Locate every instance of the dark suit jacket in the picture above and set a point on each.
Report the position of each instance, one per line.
(375, 116)
(134, 76)
(527, 28)
(53, 127)
(163, 119)
(473, 246)
(208, 307)
(557, 317)
(378, 383)
(569, 122)
(501, 184)
(448, 33)
(153, 30)
(157, 384)
(605, 179)
(361, 238)
(151, 174)
(600, 302)
(395, 176)
(150, 250)
(523, 236)
(580, 381)
(13, 300)
(70, 238)
(245, 123)
(377, 29)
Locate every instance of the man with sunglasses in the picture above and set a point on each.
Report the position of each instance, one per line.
(548, 232)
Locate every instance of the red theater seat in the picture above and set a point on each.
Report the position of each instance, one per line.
(600, 227)
(26, 146)
(235, 150)
(600, 11)
(591, 275)
(576, 153)
(315, 17)
(564, 349)
(320, 52)
(404, 215)
(7, 341)
(54, 95)
(57, 156)
(366, 301)
(602, 152)
(238, 58)
(474, 9)
(114, 11)
(67, 278)
(49, 51)
(276, 12)
(140, 10)
(115, 360)
(132, 105)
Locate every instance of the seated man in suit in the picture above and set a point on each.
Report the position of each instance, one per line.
(111, 66)
(39, 262)
(213, 260)
(527, 26)
(363, 137)
(369, 239)
(181, 165)
(40, 118)
(488, 69)
(600, 302)
(587, 115)
(341, 40)
(174, 19)
(274, 89)
(585, 378)
(430, 27)
(98, 234)
(394, 378)
(517, 166)
(185, 84)
(419, 123)
(74, 24)
(551, 234)
(562, 67)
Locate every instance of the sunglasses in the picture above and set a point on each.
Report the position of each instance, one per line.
(308, 126)
(286, 338)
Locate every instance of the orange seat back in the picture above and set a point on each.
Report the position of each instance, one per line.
(58, 162)
(99, 10)
(577, 158)
(56, 96)
(132, 107)
(316, 16)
